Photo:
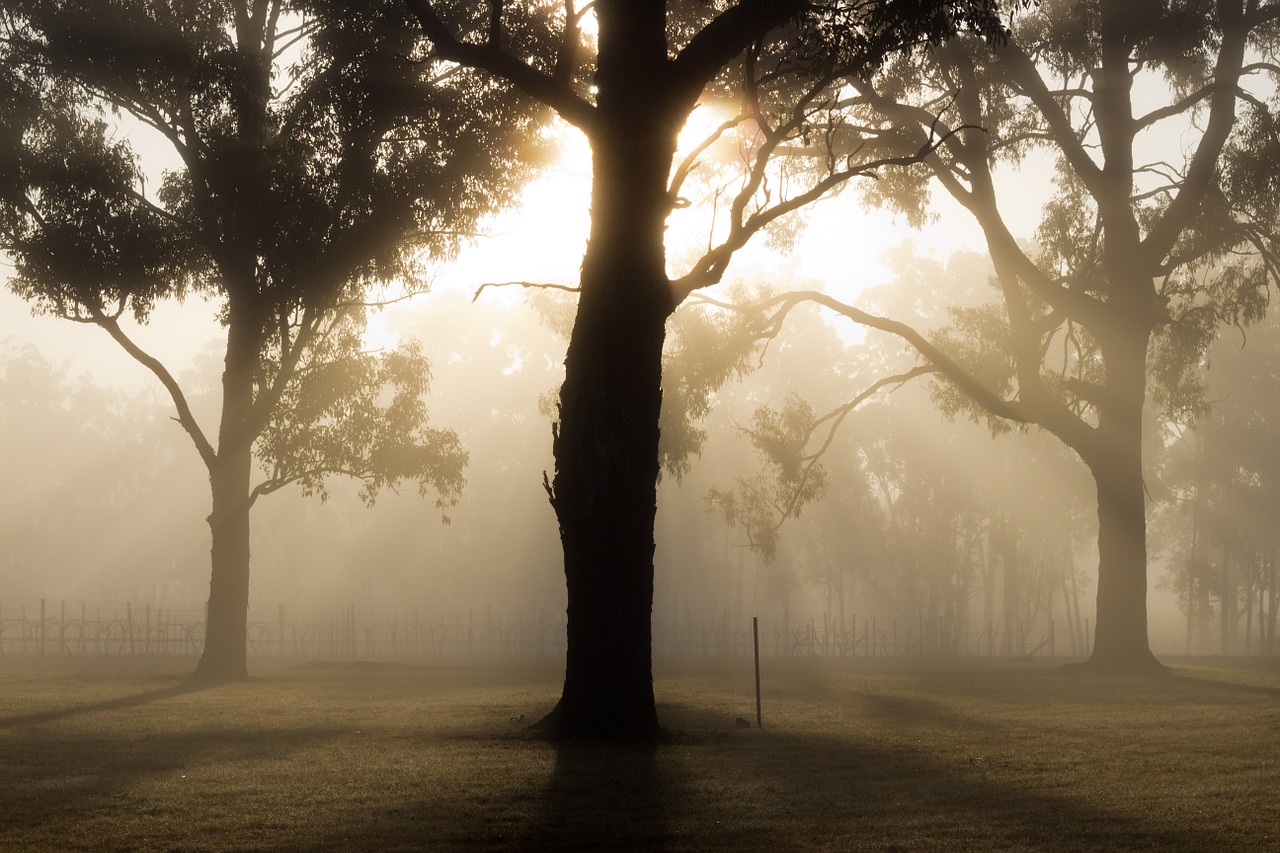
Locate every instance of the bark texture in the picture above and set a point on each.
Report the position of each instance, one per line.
(606, 444)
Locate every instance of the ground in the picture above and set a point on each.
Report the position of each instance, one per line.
(854, 755)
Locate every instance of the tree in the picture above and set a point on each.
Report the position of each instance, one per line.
(315, 157)
(1222, 479)
(1117, 271)
(653, 61)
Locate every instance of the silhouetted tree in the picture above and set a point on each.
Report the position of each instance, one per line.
(315, 157)
(1117, 271)
(653, 62)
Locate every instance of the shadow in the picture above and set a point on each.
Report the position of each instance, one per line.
(603, 797)
(118, 704)
(73, 789)
(1210, 686)
(784, 790)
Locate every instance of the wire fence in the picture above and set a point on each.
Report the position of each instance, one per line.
(75, 629)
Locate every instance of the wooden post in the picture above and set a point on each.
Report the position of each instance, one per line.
(281, 623)
(40, 651)
(755, 639)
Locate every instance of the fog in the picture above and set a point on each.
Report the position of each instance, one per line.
(927, 524)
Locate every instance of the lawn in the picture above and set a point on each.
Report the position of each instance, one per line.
(854, 755)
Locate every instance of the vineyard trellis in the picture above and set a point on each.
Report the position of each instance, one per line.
(53, 629)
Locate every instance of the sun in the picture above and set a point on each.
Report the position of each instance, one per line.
(839, 246)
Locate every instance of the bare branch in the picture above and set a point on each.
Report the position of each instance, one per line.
(525, 284)
(185, 417)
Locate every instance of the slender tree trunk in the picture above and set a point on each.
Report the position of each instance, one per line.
(606, 445)
(1228, 603)
(225, 656)
(989, 581)
(1272, 599)
(1193, 572)
(1008, 547)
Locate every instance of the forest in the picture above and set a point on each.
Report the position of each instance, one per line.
(1050, 439)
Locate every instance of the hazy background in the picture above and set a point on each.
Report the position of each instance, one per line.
(105, 499)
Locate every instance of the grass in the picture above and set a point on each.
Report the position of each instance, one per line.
(855, 755)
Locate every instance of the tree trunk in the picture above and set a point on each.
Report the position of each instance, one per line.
(1007, 545)
(1272, 599)
(225, 656)
(1227, 624)
(1120, 635)
(606, 442)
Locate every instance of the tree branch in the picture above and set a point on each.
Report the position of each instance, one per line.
(185, 417)
(730, 33)
(550, 90)
(524, 284)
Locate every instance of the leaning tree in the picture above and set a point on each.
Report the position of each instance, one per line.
(1138, 255)
(315, 156)
(629, 84)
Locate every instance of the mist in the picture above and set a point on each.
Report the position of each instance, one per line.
(931, 536)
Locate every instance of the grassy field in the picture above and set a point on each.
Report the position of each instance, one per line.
(855, 755)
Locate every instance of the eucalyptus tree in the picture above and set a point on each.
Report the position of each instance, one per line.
(630, 88)
(314, 157)
(1116, 282)
(1222, 477)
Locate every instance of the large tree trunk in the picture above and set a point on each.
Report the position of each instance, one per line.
(606, 445)
(1120, 636)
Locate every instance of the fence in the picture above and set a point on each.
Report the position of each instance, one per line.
(54, 629)
(872, 637)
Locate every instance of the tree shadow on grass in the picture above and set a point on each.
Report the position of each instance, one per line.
(119, 703)
(776, 789)
(603, 797)
(76, 789)
(1209, 686)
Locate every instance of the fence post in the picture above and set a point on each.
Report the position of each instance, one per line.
(40, 648)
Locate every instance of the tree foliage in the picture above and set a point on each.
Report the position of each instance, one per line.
(316, 156)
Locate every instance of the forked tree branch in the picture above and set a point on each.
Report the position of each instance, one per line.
(552, 90)
(186, 419)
